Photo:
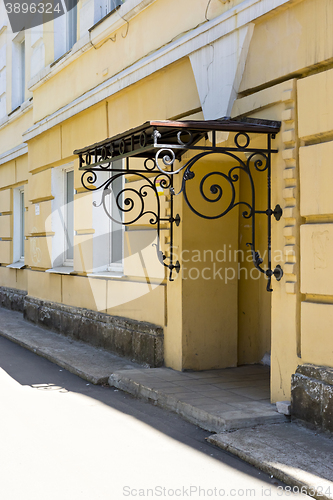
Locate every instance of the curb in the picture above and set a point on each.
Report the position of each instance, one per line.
(272, 470)
(54, 359)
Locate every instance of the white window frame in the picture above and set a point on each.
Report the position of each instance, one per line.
(117, 267)
(64, 35)
(103, 7)
(60, 261)
(107, 227)
(71, 27)
(22, 224)
(69, 262)
(18, 228)
(18, 70)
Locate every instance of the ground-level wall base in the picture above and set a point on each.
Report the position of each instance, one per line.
(312, 396)
(136, 340)
(11, 298)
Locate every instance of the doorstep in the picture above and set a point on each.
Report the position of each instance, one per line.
(215, 400)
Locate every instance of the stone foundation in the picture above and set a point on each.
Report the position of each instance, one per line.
(13, 299)
(135, 340)
(312, 396)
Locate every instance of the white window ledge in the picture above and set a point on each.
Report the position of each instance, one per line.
(13, 153)
(17, 265)
(16, 113)
(106, 274)
(60, 270)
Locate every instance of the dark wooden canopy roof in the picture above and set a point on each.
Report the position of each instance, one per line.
(144, 141)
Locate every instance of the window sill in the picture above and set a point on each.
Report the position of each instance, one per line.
(103, 18)
(60, 270)
(17, 112)
(17, 265)
(59, 58)
(106, 274)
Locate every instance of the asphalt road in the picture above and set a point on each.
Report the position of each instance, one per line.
(62, 438)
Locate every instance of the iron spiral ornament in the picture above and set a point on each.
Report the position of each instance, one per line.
(210, 193)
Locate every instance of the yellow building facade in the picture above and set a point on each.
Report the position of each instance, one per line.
(168, 60)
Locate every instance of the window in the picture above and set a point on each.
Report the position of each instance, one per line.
(71, 24)
(3, 77)
(65, 30)
(115, 229)
(62, 219)
(69, 218)
(103, 7)
(18, 71)
(109, 234)
(21, 225)
(18, 228)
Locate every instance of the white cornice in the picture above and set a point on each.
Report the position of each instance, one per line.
(13, 153)
(241, 15)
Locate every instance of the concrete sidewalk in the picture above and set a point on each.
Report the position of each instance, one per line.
(233, 402)
(89, 363)
(293, 454)
(215, 400)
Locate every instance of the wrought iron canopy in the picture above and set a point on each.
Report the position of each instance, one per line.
(160, 144)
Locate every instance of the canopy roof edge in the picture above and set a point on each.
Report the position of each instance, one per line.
(199, 127)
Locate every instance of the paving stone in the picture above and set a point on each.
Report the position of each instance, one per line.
(251, 393)
(253, 405)
(184, 395)
(217, 409)
(220, 408)
(210, 390)
(226, 398)
(200, 401)
(161, 385)
(174, 390)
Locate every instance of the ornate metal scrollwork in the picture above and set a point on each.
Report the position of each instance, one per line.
(132, 201)
(258, 160)
(161, 146)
